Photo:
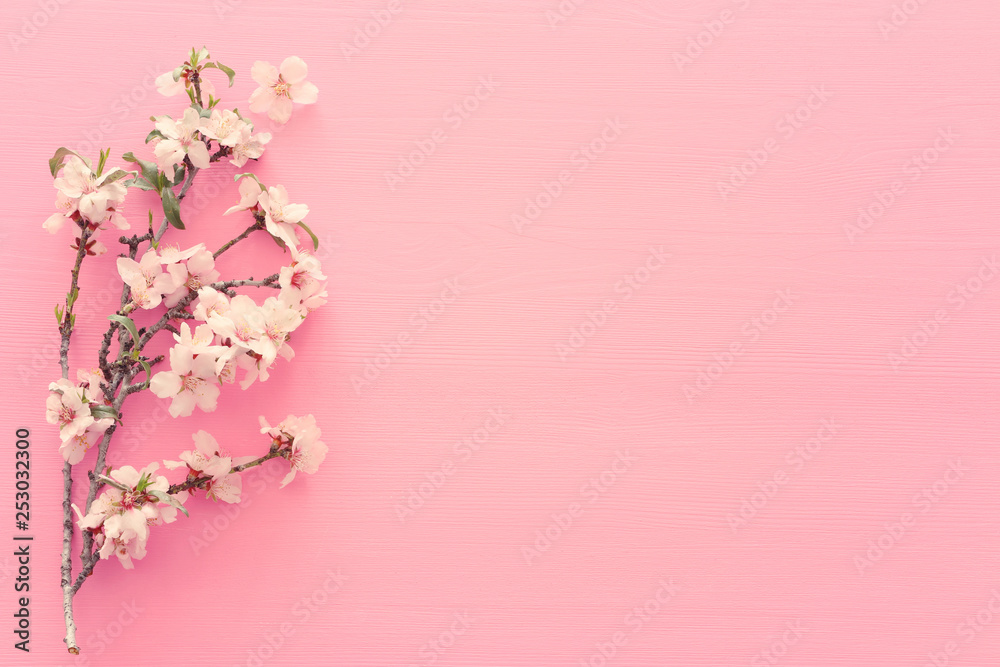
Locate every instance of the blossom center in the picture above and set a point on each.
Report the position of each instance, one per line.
(281, 88)
(191, 383)
(66, 415)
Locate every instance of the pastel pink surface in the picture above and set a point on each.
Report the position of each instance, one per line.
(504, 256)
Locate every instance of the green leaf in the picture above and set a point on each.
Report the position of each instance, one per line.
(100, 411)
(178, 174)
(115, 175)
(128, 324)
(161, 181)
(103, 159)
(140, 183)
(149, 373)
(110, 482)
(190, 92)
(311, 235)
(170, 500)
(171, 208)
(58, 314)
(229, 72)
(56, 162)
(71, 297)
(150, 171)
(177, 72)
(153, 135)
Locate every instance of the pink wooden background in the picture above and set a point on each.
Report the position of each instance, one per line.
(757, 426)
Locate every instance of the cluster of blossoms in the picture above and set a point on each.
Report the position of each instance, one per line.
(218, 331)
(91, 199)
(236, 332)
(228, 331)
(79, 410)
(299, 436)
(119, 519)
(174, 140)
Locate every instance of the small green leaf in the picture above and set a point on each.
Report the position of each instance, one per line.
(100, 411)
(229, 72)
(161, 181)
(155, 134)
(56, 162)
(171, 208)
(103, 159)
(177, 72)
(115, 175)
(140, 183)
(71, 297)
(170, 500)
(58, 314)
(150, 170)
(110, 482)
(190, 92)
(311, 235)
(178, 174)
(128, 324)
(149, 373)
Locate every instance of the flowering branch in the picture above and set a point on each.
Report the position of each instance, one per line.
(232, 332)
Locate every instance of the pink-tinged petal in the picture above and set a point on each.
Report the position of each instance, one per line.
(165, 384)
(72, 450)
(94, 206)
(288, 478)
(168, 153)
(54, 222)
(166, 85)
(207, 87)
(261, 99)
(190, 120)
(304, 93)
(280, 231)
(204, 367)
(198, 152)
(135, 521)
(207, 397)
(201, 262)
(281, 110)
(167, 126)
(127, 475)
(264, 73)
(227, 489)
(182, 405)
(130, 271)
(293, 69)
(181, 359)
(278, 195)
(293, 213)
(205, 443)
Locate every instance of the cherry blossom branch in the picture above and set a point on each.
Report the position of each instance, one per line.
(66, 332)
(275, 452)
(259, 224)
(67, 559)
(83, 409)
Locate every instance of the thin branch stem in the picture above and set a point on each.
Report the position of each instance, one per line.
(200, 482)
(258, 224)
